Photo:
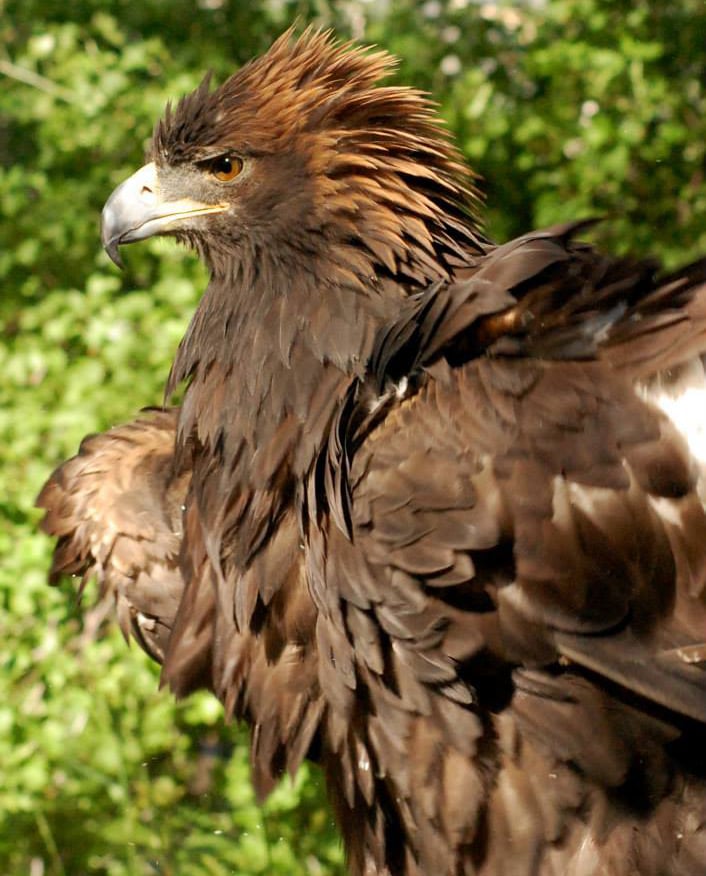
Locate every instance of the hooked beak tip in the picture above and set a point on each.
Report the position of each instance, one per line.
(112, 248)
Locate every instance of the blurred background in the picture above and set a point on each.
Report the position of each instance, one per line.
(566, 109)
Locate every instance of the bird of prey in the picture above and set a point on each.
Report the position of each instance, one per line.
(418, 516)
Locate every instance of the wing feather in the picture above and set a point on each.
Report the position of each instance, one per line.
(116, 511)
(521, 548)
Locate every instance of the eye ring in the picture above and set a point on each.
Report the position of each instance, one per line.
(225, 168)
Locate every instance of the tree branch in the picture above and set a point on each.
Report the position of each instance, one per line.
(35, 80)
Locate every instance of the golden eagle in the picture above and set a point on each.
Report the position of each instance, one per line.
(417, 517)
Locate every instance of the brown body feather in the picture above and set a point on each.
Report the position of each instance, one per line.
(434, 535)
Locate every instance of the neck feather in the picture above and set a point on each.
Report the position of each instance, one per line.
(270, 352)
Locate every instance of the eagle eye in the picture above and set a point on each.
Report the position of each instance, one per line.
(225, 167)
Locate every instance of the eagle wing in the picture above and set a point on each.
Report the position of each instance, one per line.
(515, 532)
(116, 510)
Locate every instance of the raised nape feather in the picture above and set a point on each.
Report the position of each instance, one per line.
(435, 532)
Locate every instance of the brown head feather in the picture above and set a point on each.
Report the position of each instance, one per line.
(362, 172)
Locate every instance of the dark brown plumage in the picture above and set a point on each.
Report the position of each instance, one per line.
(435, 534)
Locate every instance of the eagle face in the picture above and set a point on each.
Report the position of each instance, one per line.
(220, 198)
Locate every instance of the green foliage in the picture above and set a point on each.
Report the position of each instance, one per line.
(567, 108)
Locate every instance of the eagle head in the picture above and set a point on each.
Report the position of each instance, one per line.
(302, 154)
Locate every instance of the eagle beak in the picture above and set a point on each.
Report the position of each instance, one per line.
(136, 211)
